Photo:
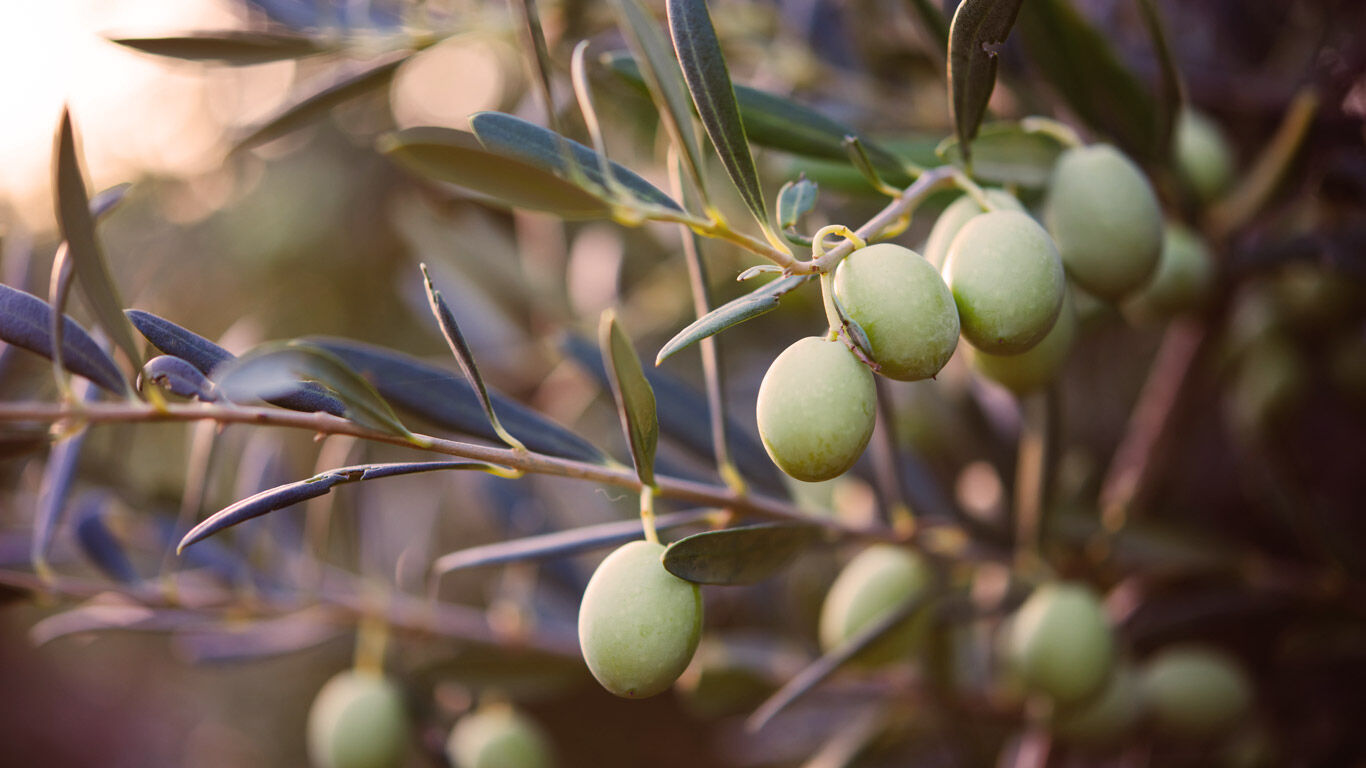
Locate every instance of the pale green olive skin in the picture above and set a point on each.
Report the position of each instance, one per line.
(1060, 642)
(1196, 691)
(816, 409)
(638, 624)
(904, 308)
(879, 580)
(1204, 160)
(497, 737)
(958, 213)
(1037, 366)
(1007, 280)
(1106, 717)
(1105, 219)
(1184, 276)
(358, 721)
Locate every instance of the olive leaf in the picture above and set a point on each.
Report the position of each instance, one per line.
(274, 369)
(741, 555)
(978, 28)
(26, 322)
(516, 138)
(236, 641)
(1006, 153)
(1169, 91)
(179, 377)
(932, 16)
(704, 71)
(662, 78)
(795, 200)
(78, 229)
(632, 392)
(751, 305)
(290, 494)
(97, 542)
(1079, 62)
(317, 99)
(560, 543)
(55, 488)
(226, 47)
(458, 158)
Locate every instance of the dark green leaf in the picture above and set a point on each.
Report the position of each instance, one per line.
(795, 200)
(458, 158)
(275, 369)
(739, 555)
(1079, 62)
(178, 377)
(445, 399)
(681, 408)
(514, 137)
(97, 542)
(226, 47)
(318, 485)
(78, 229)
(1005, 153)
(661, 76)
(318, 99)
(708, 80)
(752, 304)
(560, 543)
(634, 397)
(1169, 86)
(932, 16)
(26, 321)
(979, 27)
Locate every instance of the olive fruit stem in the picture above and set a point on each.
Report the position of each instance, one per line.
(973, 190)
(372, 637)
(1037, 431)
(647, 513)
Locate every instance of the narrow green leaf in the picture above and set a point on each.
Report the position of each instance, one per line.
(1005, 153)
(226, 47)
(275, 369)
(1169, 90)
(708, 80)
(458, 158)
(635, 399)
(662, 78)
(979, 27)
(795, 200)
(932, 16)
(318, 99)
(1079, 62)
(752, 304)
(742, 555)
(464, 357)
(516, 138)
(78, 229)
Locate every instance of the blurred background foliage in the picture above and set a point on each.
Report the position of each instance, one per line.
(315, 233)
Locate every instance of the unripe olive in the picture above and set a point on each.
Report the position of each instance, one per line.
(816, 409)
(1060, 642)
(1184, 274)
(1106, 717)
(881, 579)
(358, 721)
(1038, 365)
(903, 306)
(497, 737)
(947, 226)
(1203, 158)
(1007, 280)
(1103, 214)
(1196, 691)
(638, 623)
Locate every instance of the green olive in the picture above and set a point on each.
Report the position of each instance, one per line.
(1184, 275)
(1060, 642)
(638, 623)
(815, 409)
(1103, 214)
(497, 736)
(882, 579)
(1105, 717)
(904, 308)
(1007, 280)
(1037, 366)
(1203, 158)
(947, 226)
(358, 721)
(1196, 691)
